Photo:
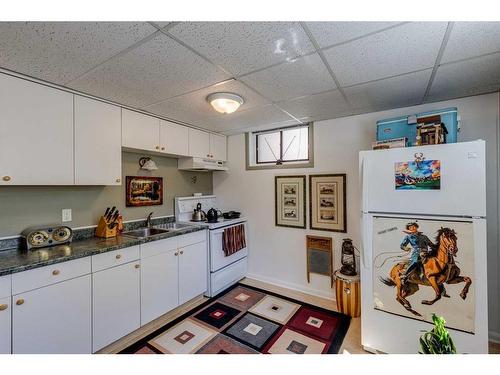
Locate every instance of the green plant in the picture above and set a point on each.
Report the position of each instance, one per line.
(437, 340)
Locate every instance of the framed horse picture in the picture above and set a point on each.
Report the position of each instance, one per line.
(421, 267)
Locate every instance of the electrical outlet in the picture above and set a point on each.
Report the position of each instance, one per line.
(66, 214)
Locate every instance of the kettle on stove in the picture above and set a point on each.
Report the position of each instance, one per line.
(213, 215)
(198, 213)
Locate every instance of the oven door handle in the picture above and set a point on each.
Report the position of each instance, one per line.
(218, 231)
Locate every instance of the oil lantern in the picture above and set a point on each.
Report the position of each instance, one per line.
(348, 258)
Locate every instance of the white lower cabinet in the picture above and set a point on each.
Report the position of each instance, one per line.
(64, 308)
(159, 285)
(53, 319)
(192, 271)
(5, 325)
(116, 303)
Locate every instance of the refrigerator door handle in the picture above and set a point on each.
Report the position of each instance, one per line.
(362, 239)
(361, 173)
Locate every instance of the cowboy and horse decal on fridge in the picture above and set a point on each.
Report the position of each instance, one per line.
(423, 267)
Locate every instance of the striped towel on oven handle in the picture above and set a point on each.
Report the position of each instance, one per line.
(233, 239)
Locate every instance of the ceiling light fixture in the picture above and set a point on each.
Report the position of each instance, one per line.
(225, 102)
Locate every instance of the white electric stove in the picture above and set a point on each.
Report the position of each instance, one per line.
(223, 271)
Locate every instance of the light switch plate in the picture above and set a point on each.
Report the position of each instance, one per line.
(66, 214)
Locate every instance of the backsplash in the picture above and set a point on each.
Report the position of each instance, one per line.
(26, 206)
(84, 233)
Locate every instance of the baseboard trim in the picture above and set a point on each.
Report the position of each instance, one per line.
(494, 337)
(292, 286)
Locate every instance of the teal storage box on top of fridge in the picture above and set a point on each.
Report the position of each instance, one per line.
(406, 126)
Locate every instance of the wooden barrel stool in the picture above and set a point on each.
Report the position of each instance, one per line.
(348, 294)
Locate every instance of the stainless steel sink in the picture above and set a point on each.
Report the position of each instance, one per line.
(172, 226)
(145, 232)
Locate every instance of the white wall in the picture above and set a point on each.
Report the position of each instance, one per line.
(277, 254)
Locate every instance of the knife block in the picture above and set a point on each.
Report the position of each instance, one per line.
(103, 229)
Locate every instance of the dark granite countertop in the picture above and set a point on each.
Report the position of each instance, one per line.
(15, 260)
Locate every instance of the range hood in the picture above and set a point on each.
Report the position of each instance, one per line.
(201, 164)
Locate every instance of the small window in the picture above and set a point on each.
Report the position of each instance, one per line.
(280, 148)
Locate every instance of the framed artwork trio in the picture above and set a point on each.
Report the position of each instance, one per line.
(327, 202)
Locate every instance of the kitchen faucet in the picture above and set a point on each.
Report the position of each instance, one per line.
(148, 220)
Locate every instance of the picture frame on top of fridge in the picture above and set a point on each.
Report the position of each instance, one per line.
(290, 201)
(327, 202)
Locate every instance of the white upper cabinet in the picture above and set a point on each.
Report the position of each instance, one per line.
(97, 142)
(140, 131)
(174, 138)
(199, 144)
(36, 134)
(218, 147)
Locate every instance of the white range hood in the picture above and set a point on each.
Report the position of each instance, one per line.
(201, 164)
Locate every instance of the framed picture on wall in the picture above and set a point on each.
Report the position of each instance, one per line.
(327, 201)
(290, 201)
(144, 191)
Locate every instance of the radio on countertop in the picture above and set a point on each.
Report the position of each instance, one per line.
(51, 235)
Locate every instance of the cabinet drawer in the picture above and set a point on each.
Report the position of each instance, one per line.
(191, 238)
(150, 249)
(115, 258)
(39, 277)
(5, 286)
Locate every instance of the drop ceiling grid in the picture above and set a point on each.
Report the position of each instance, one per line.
(480, 55)
(317, 49)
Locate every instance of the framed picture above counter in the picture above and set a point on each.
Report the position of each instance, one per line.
(290, 201)
(327, 200)
(144, 191)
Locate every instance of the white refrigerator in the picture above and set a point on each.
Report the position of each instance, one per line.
(424, 205)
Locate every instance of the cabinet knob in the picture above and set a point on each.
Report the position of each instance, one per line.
(118, 256)
(137, 266)
(176, 253)
(3, 307)
(56, 272)
(163, 148)
(117, 180)
(182, 252)
(157, 147)
(6, 178)
(208, 155)
(19, 302)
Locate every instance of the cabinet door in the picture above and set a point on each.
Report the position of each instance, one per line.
(116, 303)
(36, 134)
(174, 138)
(192, 271)
(159, 285)
(199, 143)
(54, 319)
(5, 325)
(139, 131)
(218, 147)
(98, 149)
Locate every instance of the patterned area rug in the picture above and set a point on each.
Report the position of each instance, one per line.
(248, 320)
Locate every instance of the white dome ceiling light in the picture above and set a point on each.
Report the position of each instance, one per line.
(225, 102)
